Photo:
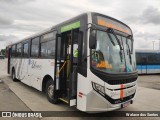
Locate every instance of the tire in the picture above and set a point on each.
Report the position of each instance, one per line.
(14, 76)
(50, 92)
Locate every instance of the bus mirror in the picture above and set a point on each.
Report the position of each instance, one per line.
(92, 40)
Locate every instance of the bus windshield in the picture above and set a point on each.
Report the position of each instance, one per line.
(108, 57)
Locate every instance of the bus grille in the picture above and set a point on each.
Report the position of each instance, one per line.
(123, 81)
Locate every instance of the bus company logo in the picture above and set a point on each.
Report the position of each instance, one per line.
(23, 114)
(6, 114)
(34, 64)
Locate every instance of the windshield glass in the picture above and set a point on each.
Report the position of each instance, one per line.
(108, 57)
(129, 58)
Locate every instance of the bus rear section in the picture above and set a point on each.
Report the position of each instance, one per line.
(92, 66)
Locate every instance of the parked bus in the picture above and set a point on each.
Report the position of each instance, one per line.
(87, 62)
(148, 61)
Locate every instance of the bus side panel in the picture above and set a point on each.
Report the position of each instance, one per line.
(85, 101)
(139, 69)
(24, 72)
(143, 69)
(153, 69)
(32, 71)
(38, 69)
(82, 88)
(15, 65)
(20, 67)
(148, 69)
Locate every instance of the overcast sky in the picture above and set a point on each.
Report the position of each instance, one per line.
(21, 18)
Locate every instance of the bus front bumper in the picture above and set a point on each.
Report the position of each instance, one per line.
(96, 103)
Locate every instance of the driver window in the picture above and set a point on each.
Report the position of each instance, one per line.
(75, 50)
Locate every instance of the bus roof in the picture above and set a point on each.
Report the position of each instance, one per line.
(65, 22)
(48, 29)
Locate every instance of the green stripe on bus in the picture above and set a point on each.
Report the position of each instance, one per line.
(70, 26)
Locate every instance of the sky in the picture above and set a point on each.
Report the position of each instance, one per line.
(22, 18)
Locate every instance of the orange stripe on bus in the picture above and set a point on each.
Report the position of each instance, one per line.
(121, 91)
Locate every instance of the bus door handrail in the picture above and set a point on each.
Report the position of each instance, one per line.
(57, 74)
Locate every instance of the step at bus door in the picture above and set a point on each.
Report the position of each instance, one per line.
(73, 67)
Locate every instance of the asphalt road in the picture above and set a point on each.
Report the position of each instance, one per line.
(17, 96)
(149, 81)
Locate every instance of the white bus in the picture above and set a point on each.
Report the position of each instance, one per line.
(87, 62)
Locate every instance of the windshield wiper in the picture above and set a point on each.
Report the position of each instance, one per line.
(130, 49)
(118, 41)
(110, 38)
(131, 38)
(129, 52)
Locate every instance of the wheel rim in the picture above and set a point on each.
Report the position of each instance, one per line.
(50, 91)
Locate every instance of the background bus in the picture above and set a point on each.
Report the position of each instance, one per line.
(148, 61)
(87, 62)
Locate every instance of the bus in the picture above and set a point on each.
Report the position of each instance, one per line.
(148, 61)
(87, 62)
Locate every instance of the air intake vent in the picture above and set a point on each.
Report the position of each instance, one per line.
(123, 81)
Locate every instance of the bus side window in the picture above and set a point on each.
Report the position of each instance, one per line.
(25, 51)
(81, 54)
(138, 58)
(35, 47)
(48, 49)
(13, 51)
(51, 48)
(19, 50)
(44, 49)
(47, 45)
(75, 50)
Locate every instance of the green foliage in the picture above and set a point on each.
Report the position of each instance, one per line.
(3, 51)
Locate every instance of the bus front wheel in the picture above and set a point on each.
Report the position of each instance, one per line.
(50, 92)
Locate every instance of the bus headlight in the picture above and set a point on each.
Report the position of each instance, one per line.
(98, 88)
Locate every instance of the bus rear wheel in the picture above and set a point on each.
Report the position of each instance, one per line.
(14, 76)
(50, 92)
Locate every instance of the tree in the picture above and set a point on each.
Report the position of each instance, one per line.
(3, 51)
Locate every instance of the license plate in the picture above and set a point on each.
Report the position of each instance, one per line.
(125, 104)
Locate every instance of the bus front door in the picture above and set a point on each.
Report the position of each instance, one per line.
(68, 46)
(66, 61)
(73, 66)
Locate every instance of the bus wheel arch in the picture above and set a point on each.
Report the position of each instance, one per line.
(46, 88)
(44, 82)
(14, 74)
